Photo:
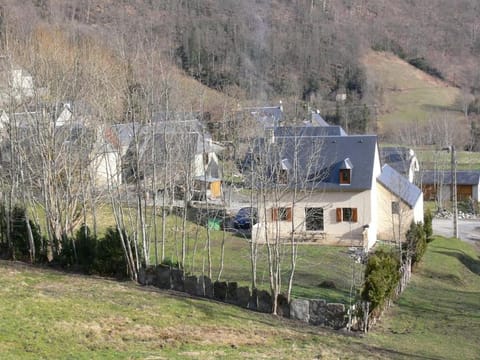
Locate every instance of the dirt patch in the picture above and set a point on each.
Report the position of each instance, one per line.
(120, 331)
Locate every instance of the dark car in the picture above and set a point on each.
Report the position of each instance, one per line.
(245, 218)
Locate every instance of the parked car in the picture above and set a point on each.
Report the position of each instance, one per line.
(245, 218)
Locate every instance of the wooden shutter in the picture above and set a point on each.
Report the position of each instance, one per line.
(354, 215)
(274, 214)
(339, 214)
(289, 214)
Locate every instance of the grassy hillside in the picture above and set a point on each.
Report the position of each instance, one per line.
(438, 316)
(47, 314)
(406, 94)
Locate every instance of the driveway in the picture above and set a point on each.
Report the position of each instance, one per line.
(468, 230)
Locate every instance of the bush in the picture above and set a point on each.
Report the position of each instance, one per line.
(66, 258)
(381, 278)
(172, 263)
(86, 248)
(110, 258)
(422, 64)
(416, 242)
(19, 248)
(427, 225)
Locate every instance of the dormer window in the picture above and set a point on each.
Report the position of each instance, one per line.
(345, 176)
(345, 172)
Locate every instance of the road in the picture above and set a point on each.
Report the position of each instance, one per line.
(468, 230)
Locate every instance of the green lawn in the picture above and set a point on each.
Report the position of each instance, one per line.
(50, 315)
(435, 159)
(53, 315)
(438, 316)
(315, 264)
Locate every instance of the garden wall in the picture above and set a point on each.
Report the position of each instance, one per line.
(312, 311)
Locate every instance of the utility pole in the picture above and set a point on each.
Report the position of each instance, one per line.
(454, 186)
(453, 170)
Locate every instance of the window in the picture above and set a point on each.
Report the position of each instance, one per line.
(395, 207)
(282, 214)
(314, 219)
(347, 214)
(345, 176)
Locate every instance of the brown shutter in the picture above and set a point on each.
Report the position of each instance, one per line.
(274, 214)
(289, 214)
(354, 215)
(339, 214)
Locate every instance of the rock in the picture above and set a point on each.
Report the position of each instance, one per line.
(318, 312)
(300, 309)
(253, 301)
(232, 292)
(264, 302)
(164, 280)
(283, 307)
(150, 276)
(142, 276)
(220, 290)
(206, 284)
(336, 316)
(243, 296)
(177, 279)
(190, 285)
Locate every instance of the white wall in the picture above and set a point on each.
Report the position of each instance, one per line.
(199, 166)
(106, 169)
(418, 210)
(392, 227)
(338, 233)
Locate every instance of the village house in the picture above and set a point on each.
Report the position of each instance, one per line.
(177, 151)
(319, 185)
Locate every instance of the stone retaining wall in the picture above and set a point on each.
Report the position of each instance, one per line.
(312, 311)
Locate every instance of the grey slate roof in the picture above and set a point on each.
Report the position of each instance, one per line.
(464, 177)
(397, 157)
(317, 120)
(268, 116)
(319, 160)
(306, 131)
(171, 125)
(399, 185)
(124, 133)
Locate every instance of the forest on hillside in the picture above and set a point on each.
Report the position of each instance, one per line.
(301, 51)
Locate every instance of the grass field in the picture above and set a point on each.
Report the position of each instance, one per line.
(408, 94)
(46, 314)
(49, 314)
(438, 317)
(315, 264)
(435, 159)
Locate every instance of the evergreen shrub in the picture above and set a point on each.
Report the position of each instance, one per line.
(381, 278)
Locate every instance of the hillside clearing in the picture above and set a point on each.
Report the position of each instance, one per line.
(407, 94)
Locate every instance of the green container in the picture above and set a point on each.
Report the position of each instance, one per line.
(214, 224)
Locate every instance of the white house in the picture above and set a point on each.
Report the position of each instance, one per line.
(321, 188)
